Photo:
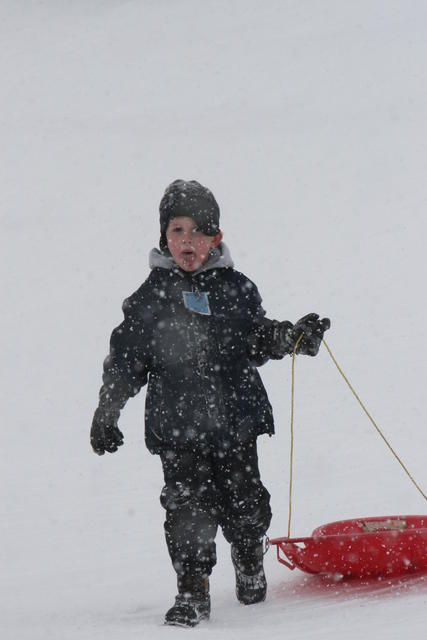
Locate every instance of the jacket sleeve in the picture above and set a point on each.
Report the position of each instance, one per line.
(263, 342)
(127, 365)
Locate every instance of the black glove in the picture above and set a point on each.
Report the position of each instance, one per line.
(105, 434)
(312, 330)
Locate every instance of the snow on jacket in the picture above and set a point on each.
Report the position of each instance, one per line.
(200, 360)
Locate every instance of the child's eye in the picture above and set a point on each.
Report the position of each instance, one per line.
(177, 229)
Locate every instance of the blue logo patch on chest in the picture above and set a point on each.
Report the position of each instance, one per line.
(197, 301)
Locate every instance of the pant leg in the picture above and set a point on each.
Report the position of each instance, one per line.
(245, 503)
(189, 497)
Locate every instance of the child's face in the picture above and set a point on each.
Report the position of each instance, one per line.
(189, 246)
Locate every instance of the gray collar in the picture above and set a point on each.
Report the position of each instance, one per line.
(219, 258)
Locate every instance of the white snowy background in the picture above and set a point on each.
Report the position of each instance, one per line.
(307, 119)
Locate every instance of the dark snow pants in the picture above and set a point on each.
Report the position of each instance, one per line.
(206, 488)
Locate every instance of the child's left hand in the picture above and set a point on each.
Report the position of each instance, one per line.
(312, 330)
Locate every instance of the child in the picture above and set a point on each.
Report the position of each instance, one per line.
(196, 331)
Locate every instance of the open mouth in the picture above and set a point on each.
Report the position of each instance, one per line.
(188, 259)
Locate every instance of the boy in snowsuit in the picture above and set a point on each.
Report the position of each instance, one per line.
(196, 331)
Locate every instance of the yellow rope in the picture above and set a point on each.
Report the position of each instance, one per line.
(374, 423)
(364, 409)
(291, 464)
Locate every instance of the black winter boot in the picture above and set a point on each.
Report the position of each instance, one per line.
(192, 604)
(251, 584)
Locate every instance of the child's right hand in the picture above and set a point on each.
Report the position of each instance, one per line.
(105, 434)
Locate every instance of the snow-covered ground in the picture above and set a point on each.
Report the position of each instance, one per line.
(307, 119)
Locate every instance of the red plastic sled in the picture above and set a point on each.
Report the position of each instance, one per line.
(364, 547)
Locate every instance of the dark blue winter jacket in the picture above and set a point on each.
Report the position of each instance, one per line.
(197, 339)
